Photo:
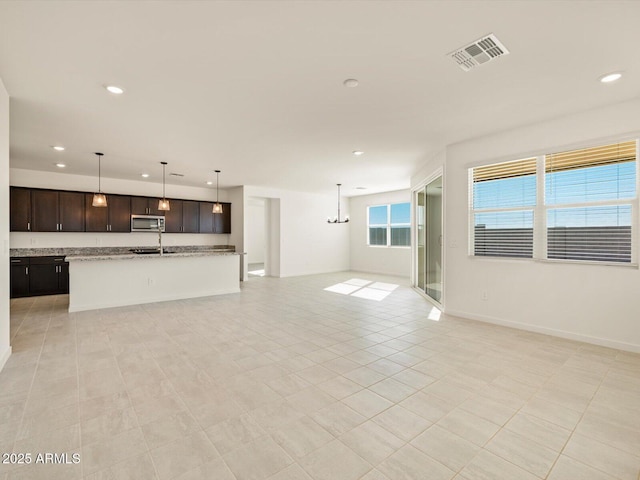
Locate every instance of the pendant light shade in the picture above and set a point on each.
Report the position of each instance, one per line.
(217, 207)
(337, 219)
(99, 198)
(163, 204)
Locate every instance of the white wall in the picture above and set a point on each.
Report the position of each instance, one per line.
(594, 303)
(237, 198)
(308, 244)
(255, 214)
(54, 180)
(363, 258)
(5, 348)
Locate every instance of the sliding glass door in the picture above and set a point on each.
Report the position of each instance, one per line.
(428, 255)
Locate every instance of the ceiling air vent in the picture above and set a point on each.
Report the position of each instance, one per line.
(176, 174)
(481, 51)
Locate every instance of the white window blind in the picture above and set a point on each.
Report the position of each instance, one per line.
(503, 198)
(589, 200)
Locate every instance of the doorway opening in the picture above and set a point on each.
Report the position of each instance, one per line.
(262, 237)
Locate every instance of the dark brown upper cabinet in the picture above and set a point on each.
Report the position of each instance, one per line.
(190, 216)
(206, 217)
(183, 217)
(40, 210)
(20, 205)
(115, 217)
(54, 211)
(215, 222)
(222, 221)
(145, 206)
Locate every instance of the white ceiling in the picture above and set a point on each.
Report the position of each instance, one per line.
(254, 88)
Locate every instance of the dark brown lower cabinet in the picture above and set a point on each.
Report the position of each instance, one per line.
(33, 276)
(19, 277)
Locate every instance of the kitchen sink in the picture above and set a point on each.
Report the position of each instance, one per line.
(150, 251)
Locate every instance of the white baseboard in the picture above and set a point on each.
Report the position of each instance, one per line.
(604, 342)
(5, 356)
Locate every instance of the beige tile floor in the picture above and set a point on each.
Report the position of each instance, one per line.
(288, 381)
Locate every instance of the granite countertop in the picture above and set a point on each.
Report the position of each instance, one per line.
(134, 256)
(116, 251)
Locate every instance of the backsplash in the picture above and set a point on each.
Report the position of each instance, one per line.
(86, 239)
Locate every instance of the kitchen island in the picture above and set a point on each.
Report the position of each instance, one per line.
(103, 281)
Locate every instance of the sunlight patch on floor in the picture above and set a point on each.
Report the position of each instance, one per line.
(357, 287)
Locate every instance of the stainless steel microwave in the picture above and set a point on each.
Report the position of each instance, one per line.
(147, 223)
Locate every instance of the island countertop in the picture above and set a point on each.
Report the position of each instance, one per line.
(112, 251)
(135, 256)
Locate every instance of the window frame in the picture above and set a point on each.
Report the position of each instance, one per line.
(388, 225)
(541, 209)
(526, 208)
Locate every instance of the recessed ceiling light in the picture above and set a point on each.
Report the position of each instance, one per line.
(58, 148)
(357, 153)
(115, 90)
(145, 175)
(361, 188)
(350, 83)
(209, 182)
(611, 77)
(60, 165)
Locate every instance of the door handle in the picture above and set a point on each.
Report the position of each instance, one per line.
(60, 227)
(26, 270)
(28, 226)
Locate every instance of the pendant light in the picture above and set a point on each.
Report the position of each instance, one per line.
(99, 198)
(163, 204)
(217, 207)
(337, 219)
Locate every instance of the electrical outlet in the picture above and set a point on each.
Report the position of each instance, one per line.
(485, 295)
(151, 281)
(34, 241)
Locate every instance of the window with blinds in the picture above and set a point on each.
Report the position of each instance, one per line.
(503, 200)
(577, 205)
(589, 200)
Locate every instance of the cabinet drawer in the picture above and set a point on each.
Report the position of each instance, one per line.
(57, 260)
(19, 261)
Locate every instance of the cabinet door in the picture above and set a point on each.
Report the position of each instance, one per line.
(20, 206)
(206, 217)
(43, 279)
(153, 206)
(63, 278)
(19, 277)
(71, 211)
(173, 217)
(139, 206)
(44, 211)
(96, 218)
(190, 216)
(222, 221)
(119, 213)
